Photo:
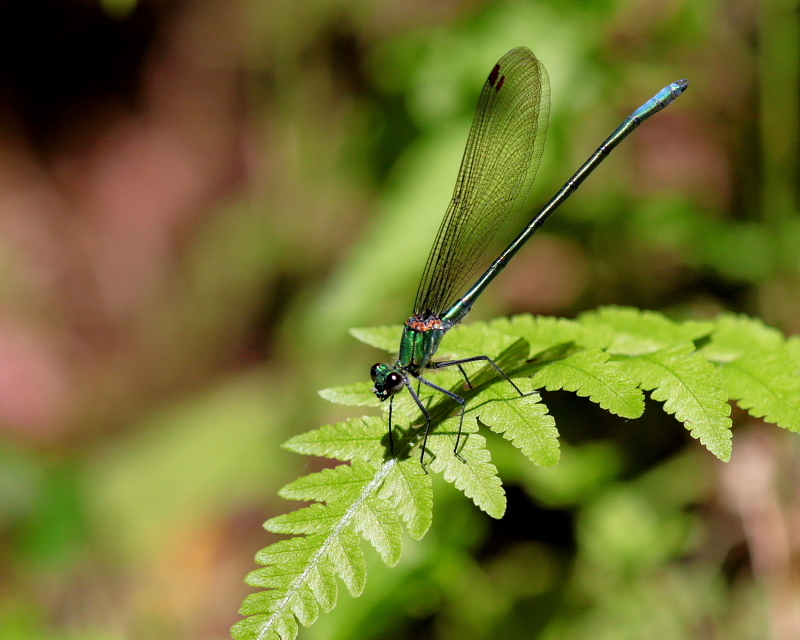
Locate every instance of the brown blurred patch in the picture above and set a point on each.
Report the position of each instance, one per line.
(122, 134)
(548, 276)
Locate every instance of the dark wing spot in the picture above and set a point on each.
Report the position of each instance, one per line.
(493, 75)
(500, 84)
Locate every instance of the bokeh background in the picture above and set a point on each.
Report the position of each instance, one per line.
(198, 199)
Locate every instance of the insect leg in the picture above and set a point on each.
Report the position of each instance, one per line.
(427, 418)
(460, 401)
(458, 363)
(391, 438)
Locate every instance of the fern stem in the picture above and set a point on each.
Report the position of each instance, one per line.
(345, 521)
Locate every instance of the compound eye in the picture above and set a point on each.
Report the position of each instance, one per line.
(394, 382)
(373, 372)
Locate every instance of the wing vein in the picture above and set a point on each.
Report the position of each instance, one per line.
(500, 160)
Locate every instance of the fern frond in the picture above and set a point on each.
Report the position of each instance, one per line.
(354, 439)
(386, 338)
(300, 574)
(477, 478)
(764, 388)
(634, 332)
(592, 374)
(408, 487)
(360, 498)
(540, 332)
(690, 389)
(479, 338)
(609, 356)
(523, 421)
(358, 394)
(757, 369)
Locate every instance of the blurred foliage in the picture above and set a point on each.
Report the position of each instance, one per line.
(143, 525)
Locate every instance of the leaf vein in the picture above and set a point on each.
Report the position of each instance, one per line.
(281, 606)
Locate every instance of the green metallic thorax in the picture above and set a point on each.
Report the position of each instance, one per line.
(417, 347)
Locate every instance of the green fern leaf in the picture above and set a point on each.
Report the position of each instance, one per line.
(479, 338)
(329, 486)
(477, 477)
(636, 332)
(763, 387)
(591, 374)
(347, 498)
(354, 439)
(736, 335)
(386, 337)
(346, 556)
(523, 421)
(409, 488)
(541, 332)
(358, 394)
(341, 488)
(609, 356)
(255, 627)
(316, 518)
(757, 369)
(690, 389)
(299, 572)
(379, 522)
(251, 629)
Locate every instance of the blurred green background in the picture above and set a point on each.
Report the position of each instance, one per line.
(198, 199)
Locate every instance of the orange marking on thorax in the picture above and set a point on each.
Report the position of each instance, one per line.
(428, 324)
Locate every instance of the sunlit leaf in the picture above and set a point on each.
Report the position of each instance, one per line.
(386, 338)
(757, 369)
(358, 394)
(409, 488)
(522, 420)
(541, 332)
(637, 332)
(357, 438)
(609, 356)
(479, 338)
(690, 389)
(475, 475)
(591, 374)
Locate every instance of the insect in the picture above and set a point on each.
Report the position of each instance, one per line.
(504, 146)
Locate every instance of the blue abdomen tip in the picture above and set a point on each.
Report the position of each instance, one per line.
(680, 85)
